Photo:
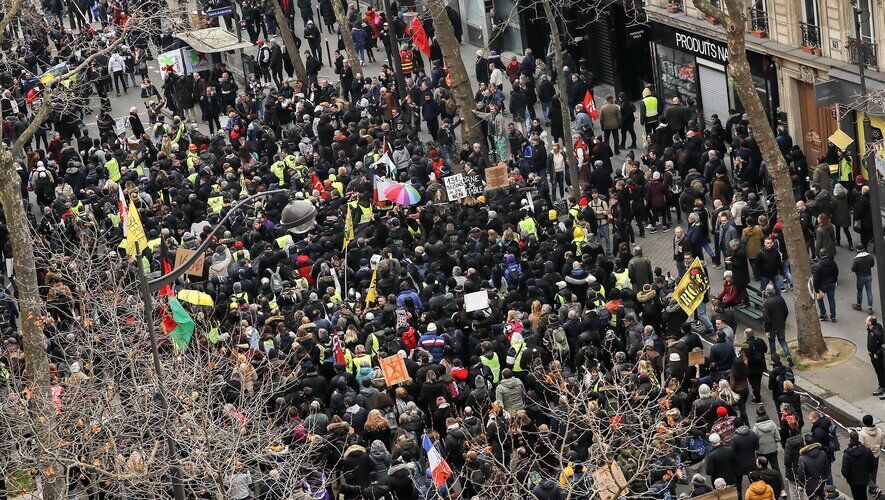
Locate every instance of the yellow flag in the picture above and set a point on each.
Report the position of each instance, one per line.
(371, 295)
(136, 232)
(689, 293)
(348, 229)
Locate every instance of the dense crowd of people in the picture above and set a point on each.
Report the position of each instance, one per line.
(577, 316)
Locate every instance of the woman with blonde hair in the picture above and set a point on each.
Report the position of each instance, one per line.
(535, 314)
(377, 428)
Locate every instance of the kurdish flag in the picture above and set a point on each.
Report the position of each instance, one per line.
(439, 468)
(179, 325)
(53, 72)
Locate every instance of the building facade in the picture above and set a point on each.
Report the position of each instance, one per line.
(803, 58)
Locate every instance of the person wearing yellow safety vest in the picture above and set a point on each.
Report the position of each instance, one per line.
(489, 360)
(621, 278)
(358, 356)
(528, 226)
(364, 209)
(649, 110)
(279, 169)
(580, 237)
(516, 358)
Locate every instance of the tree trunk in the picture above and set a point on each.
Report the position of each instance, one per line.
(563, 104)
(811, 340)
(344, 29)
(462, 90)
(30, 307)
(289, 42)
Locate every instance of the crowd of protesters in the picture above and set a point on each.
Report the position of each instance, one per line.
(573, 300)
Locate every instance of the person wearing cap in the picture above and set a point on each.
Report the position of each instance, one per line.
(873, 438)
(433, 343)
(721, 461)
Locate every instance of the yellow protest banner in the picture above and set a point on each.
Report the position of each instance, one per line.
(371, 295)
(216, 203)
(348, 229)
(689, 293)
(135, 235)
(840, 139)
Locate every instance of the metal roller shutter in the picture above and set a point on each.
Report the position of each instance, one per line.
(714, 91)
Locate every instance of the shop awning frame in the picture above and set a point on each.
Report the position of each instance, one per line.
(212, 40)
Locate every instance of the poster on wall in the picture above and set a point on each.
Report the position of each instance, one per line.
(172, 60)
(196, 61)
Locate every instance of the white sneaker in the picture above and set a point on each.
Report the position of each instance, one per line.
(649, 226)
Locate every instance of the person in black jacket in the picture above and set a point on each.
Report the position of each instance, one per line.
(814, 468)
(721, 462)
(862, 267)
(772, 477)
(769, 266)
(825, 274)
(876, 350)
(858, 465)
(755, 354)
(744, 442)
(628, 118)
(774, 321)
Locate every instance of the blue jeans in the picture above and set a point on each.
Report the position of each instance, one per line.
(781, 339)
(702, 315)
(545, 109)
(605, 236)
(786, 272)
(830, 291)
(865, 283)
(778, 283)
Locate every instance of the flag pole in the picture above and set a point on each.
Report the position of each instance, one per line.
(177, 488)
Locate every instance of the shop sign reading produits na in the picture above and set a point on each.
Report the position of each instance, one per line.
(704, 47)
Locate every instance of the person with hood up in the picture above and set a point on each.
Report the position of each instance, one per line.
(699, 486)
(745, 443)
(510, 392)
(768, 435)
(813, 471)
(547, 489)
(858, 465)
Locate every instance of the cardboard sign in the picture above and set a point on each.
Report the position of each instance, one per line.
(455, 187)
(394, 369)
(729, 493)
(476, 301)
(610, 482)
(181, 255)
(496, 177)
(402, 320)
(696, 358)
(840, 139)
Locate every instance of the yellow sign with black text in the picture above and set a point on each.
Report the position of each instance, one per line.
(689, 293)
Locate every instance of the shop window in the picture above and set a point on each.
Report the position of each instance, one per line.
(679, 74)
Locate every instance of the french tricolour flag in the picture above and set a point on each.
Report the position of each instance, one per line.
(439, 468)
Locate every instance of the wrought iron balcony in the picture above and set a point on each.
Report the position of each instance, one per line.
(866, 52)
(759, 21)
(810, 35)
(674, 5)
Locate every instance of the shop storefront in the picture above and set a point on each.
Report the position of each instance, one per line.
(695, 69)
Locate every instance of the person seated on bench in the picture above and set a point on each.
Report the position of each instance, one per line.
(731, 295)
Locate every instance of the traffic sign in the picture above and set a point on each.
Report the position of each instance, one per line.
(219, 12)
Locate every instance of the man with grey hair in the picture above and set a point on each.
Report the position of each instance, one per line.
(774, 321)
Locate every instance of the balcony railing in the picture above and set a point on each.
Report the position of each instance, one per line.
(865, 52)
(759, 21)
(810, 35)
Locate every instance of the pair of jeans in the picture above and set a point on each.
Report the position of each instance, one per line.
(865, 283)
(702, 315)
(830, 291)
(786, 272)
(778, 283)
(545, 109)
(782, 340)
(605, 236)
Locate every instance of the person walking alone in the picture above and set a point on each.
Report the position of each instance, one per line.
(862, 267)
(857, 466)
(876, 350)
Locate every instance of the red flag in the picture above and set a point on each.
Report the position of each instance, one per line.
(590, 105)
(419, 37)
(337, 350)
(317, 184)
(167, 268)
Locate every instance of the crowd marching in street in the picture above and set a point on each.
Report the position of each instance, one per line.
(392, 265)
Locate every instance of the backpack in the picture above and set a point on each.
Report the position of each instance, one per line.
(834, 437)
(698, 448)
(560, 341)
(409, 338)
(276, 281)
(676, 187)
(513, 272)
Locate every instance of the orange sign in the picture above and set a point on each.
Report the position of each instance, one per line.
(182, 254)
(394, 369)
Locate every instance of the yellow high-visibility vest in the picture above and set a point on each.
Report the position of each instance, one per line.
(651, 106)
(365, 215)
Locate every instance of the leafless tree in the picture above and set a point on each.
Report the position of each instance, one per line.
(110, 429)
(732, 16)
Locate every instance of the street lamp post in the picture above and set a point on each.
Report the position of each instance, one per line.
(872, 173)
(298, 217)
